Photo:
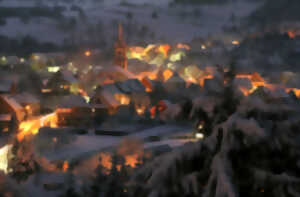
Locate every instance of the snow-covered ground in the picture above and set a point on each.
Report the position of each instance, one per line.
(170, 26)
(87, 145)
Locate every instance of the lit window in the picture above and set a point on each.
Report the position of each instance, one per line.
(199, 135)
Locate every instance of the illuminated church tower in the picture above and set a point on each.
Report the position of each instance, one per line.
(120, 50)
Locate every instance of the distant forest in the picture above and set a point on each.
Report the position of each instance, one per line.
(27, 13)
(25, 46)
(174, 2)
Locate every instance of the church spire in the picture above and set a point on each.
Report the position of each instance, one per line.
(120, 32)
(120, 50)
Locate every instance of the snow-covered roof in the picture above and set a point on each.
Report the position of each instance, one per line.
(131, 85)
(175, 79)
(12, 102)
(68, 76)
(136, 66)
(26, 98)
(243, 82)
(18, 109)
(109, 99)
(110, 88)
(213, 85)
(73, 101)
(116, 69)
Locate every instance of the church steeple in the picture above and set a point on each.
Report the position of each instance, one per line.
(120, 50)
(120, 33)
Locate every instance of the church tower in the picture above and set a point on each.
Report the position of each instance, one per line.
(120, 58)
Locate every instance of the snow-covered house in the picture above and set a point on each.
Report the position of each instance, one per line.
(62, 82)
(213, 86)
(119, 93)
(11, 112)
(29, 102)
(107, 95)
(175, 84)
(73, 111)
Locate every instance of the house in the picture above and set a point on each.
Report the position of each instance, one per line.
(62, 82)
(213, 86)
(113, 74)
(29, 102)
(131, 86)
(174, 84)
(110, 96)
(74, 111)
(136, 92)
(11, 112)
(121, 94)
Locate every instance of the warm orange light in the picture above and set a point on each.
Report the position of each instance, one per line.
(291, 34)
(183, 46)
(31, 127)
(122, 98)
(167, 74)
(140, 110)
(164, 49)
(65, 166)
(87, 53)
(235, 42)
(295, 90)
(147, 84)
(64, 110)
(83, 93)
(46, 90)
(106, 161)
(153, 112)
(132, 160)
(202, 79)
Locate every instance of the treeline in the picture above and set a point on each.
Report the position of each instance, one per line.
(26, 13)
(273, 12)
(193, 2)
(25, 46)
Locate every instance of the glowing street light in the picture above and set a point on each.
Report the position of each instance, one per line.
(87, 53)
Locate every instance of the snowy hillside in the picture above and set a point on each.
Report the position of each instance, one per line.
(152, 20)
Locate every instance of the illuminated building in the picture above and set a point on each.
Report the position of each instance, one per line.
(120, 58)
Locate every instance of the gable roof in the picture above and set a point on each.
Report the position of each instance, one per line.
(12, 102)
(109, 100)
(15, 106)
(131, 85)
(175, 79)
(112, 70)
(26, 97)
(68, 76)
(73, 101)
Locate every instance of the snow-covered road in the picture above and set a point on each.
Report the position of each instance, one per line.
(87, 145)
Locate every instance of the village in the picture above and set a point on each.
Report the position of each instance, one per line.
(62, 111)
